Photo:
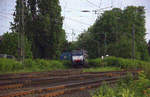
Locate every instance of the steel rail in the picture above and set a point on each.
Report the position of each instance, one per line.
(63, 83)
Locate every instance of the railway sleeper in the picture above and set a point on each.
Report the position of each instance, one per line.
(30, 83)
(50, 89)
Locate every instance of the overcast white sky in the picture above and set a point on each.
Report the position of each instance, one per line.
(75, 20)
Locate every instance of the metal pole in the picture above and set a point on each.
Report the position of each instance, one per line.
(72, 35)
(105, 43)
(19, 30)
(98, 48)
(21, 33)
(133, 43)
(133, 37)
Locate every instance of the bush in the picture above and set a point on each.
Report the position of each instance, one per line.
(137, 88)
(9, 45)
(30, 65)
(118, 91)
(56, 65)
(95, 62)
(122, 63)
(119, 62)
(7, 65)
(67, 64)
(101, 69)
(42, 64)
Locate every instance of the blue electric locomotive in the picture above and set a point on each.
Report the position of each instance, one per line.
(77, 57)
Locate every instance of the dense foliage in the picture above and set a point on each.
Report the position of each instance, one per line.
(30, 65)
(115, 33)
(102, 69)
(42, 26)
(121, 63)
(126, 88)
(9, 45)
(117, 62)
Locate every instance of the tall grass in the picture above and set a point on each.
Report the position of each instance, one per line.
(30, 65)
(126, 88)
(121, 62)
(101, 69)
(7, 65)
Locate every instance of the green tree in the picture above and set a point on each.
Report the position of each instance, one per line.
(86, 42)
(134, 20)
(113, 31)
(9, 45)
(43, 27)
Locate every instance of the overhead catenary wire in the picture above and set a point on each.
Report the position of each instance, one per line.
(4, 26)
(112, 4)
(70, 28)
(100, 3)
(10, 14)
(99, 10)
(77, 21)
(64, 8)
(92, 3)
(5, 16)
(103, 9)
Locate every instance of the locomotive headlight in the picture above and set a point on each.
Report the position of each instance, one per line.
(77, 58)
(81, 57)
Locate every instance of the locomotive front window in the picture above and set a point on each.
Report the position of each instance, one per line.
(77, 52)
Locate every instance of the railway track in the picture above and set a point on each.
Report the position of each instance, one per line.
(52, 84)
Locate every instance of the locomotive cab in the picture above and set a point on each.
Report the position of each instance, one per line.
(79, 57)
